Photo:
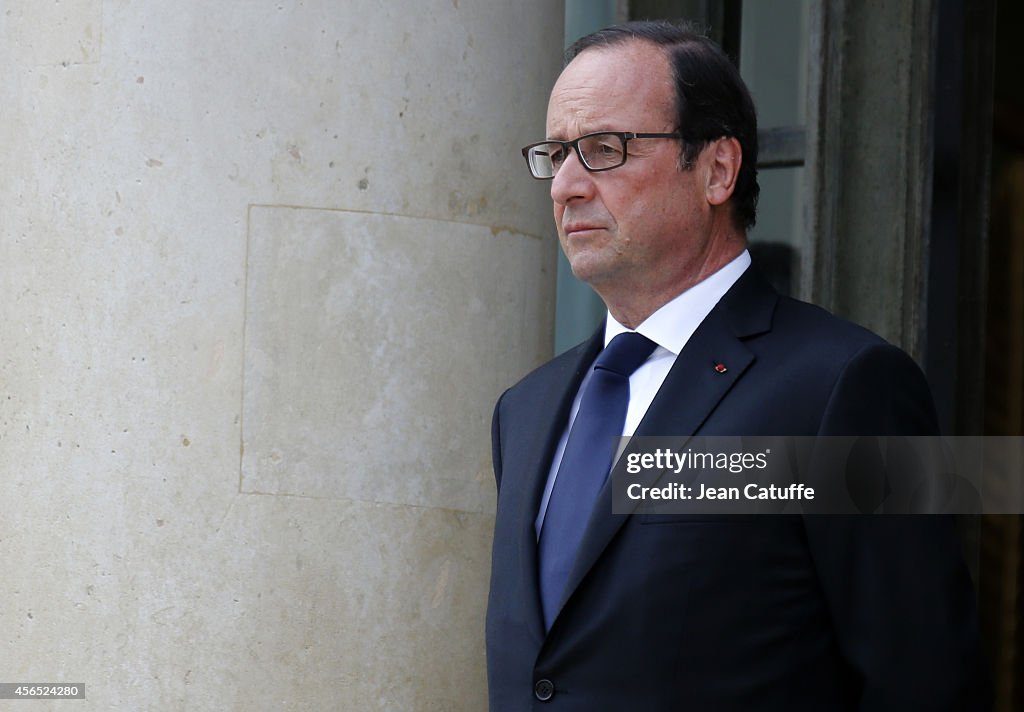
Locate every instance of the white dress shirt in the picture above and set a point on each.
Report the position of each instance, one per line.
(670, 327)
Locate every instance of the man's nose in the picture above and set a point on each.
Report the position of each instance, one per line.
(572, 181)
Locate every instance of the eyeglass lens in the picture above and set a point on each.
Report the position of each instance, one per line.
(598, 151)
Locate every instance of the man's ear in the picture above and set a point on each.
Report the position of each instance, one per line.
(725, 158)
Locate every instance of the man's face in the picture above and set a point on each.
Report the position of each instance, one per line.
(644, 226)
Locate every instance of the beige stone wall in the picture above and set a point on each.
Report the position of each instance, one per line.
(265, 267)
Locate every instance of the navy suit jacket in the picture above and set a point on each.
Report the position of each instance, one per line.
(736, 612)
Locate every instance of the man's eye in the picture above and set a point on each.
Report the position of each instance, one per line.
(609, 149)
(556, 154)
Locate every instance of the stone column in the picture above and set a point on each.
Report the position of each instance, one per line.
(266, 267)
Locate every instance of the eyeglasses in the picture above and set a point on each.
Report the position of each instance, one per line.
(600, 151)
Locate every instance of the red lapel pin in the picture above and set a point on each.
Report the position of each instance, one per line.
(720, 368)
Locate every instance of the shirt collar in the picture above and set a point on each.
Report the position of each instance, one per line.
(672, 325)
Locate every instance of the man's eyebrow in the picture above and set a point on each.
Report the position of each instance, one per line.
(600, 128)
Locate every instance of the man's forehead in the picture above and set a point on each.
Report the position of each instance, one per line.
(620, 63)
(631, 77)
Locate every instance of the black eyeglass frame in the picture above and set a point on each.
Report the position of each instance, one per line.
(624, 136)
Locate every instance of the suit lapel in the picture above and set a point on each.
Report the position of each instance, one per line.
(690, 393)
(560, 388)
(693, 386)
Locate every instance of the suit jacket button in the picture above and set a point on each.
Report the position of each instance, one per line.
(544, 690)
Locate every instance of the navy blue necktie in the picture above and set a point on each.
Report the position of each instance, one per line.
(585, 463)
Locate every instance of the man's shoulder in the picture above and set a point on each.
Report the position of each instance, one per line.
(558, 371)
(754, 308)
(807, 339)
(806, 345)
(796, 318)
(863, 382)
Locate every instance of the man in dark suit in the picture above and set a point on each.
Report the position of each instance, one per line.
(591, 610)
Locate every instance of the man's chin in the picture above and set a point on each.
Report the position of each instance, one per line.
(592, 269)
